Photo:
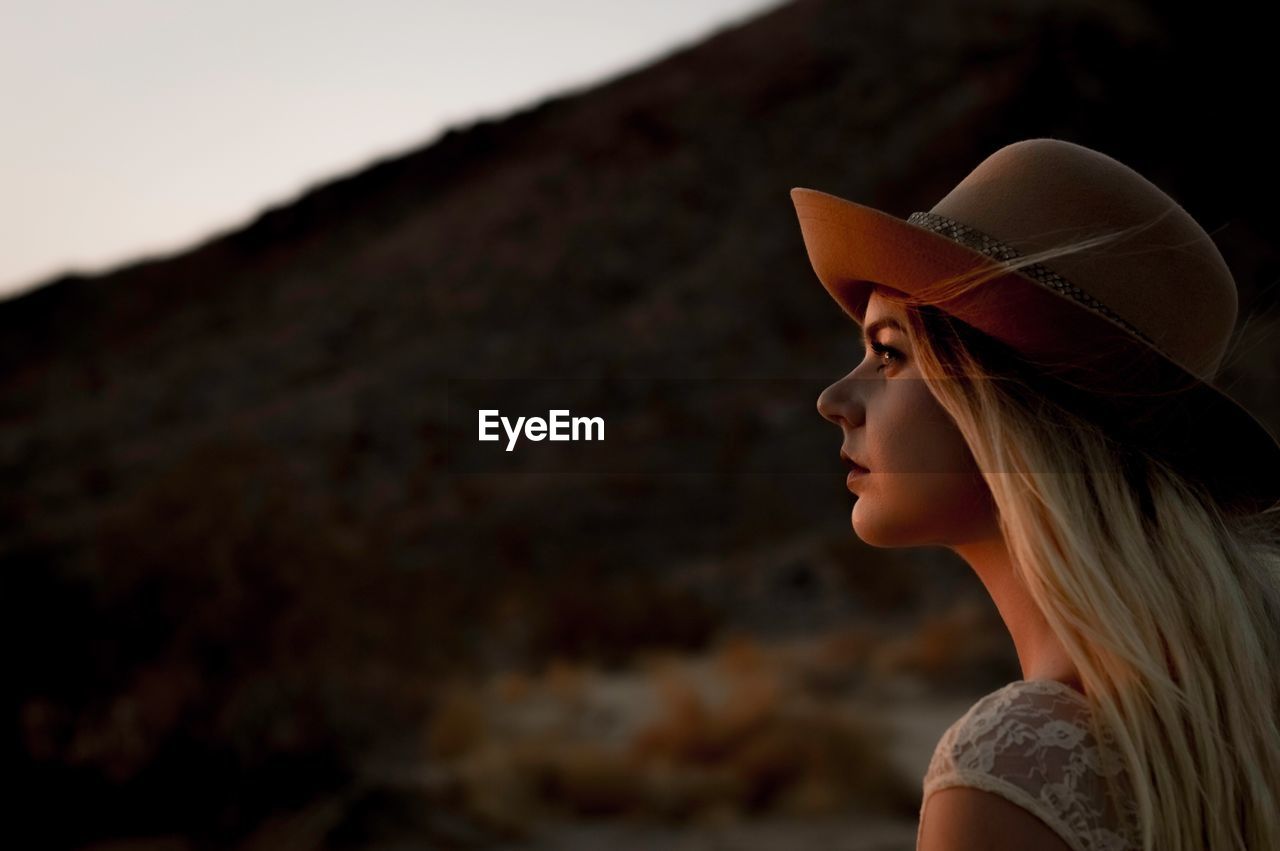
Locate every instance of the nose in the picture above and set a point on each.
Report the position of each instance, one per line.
(840, 404)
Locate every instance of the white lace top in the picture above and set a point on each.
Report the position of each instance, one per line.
(1030, 742)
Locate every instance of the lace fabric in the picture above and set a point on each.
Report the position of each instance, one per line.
(1031, 742)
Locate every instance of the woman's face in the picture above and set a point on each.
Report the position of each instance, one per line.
(922, 487)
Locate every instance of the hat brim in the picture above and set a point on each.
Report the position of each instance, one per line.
(853, 248)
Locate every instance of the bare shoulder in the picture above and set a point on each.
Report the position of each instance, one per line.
(961, 818)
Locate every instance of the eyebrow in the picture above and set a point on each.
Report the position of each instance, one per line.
(869, 330)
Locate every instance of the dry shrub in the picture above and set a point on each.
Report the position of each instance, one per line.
(834, 663)
(509, 775)
(510, 785)
(502, 785)
(946, 646)
(689, 792)
(740, 655)
(590, 616)
(457, 725)
(565, 681)
(511, 686)
(677, 731)
(594, 781)
(689, 730)
(746, 737)
(820, 761)
(780, 752)
(844, 649)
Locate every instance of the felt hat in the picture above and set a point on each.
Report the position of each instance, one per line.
(1147, 317)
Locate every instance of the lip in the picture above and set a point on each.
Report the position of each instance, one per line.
(848, 461)
(854, 474)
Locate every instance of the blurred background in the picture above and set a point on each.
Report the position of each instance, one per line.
(254, 599)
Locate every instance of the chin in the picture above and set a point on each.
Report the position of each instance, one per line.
(878, 532)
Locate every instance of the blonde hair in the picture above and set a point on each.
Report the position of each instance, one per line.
(1167, 602)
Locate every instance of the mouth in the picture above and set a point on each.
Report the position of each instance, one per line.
(856, 470)
(852, 466)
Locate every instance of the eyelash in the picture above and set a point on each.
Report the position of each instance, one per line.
(881, 350)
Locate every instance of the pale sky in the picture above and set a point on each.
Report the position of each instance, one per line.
(139, 127)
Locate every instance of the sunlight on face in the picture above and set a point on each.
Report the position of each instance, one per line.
(923, 488)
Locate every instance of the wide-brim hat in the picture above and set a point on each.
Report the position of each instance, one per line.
(1147, 318)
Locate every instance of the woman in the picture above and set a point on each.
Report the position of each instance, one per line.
(1036, 396)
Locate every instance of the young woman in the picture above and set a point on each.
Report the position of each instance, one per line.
(1037, 396)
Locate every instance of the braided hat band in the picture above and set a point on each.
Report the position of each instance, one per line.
(997, 250)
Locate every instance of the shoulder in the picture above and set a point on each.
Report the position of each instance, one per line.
(964, 817)
(1025, 759)
(1030, 712)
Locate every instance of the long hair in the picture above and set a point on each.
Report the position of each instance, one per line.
(1167, 602)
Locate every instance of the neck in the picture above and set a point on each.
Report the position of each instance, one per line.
(1040, 653)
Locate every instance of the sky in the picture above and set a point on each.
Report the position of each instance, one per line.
(138, 128)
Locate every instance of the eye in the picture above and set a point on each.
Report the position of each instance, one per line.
(886, 354)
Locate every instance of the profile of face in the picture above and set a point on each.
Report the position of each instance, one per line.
(923, 487)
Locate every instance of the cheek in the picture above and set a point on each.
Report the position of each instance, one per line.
(927, 490)
(910, 432)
